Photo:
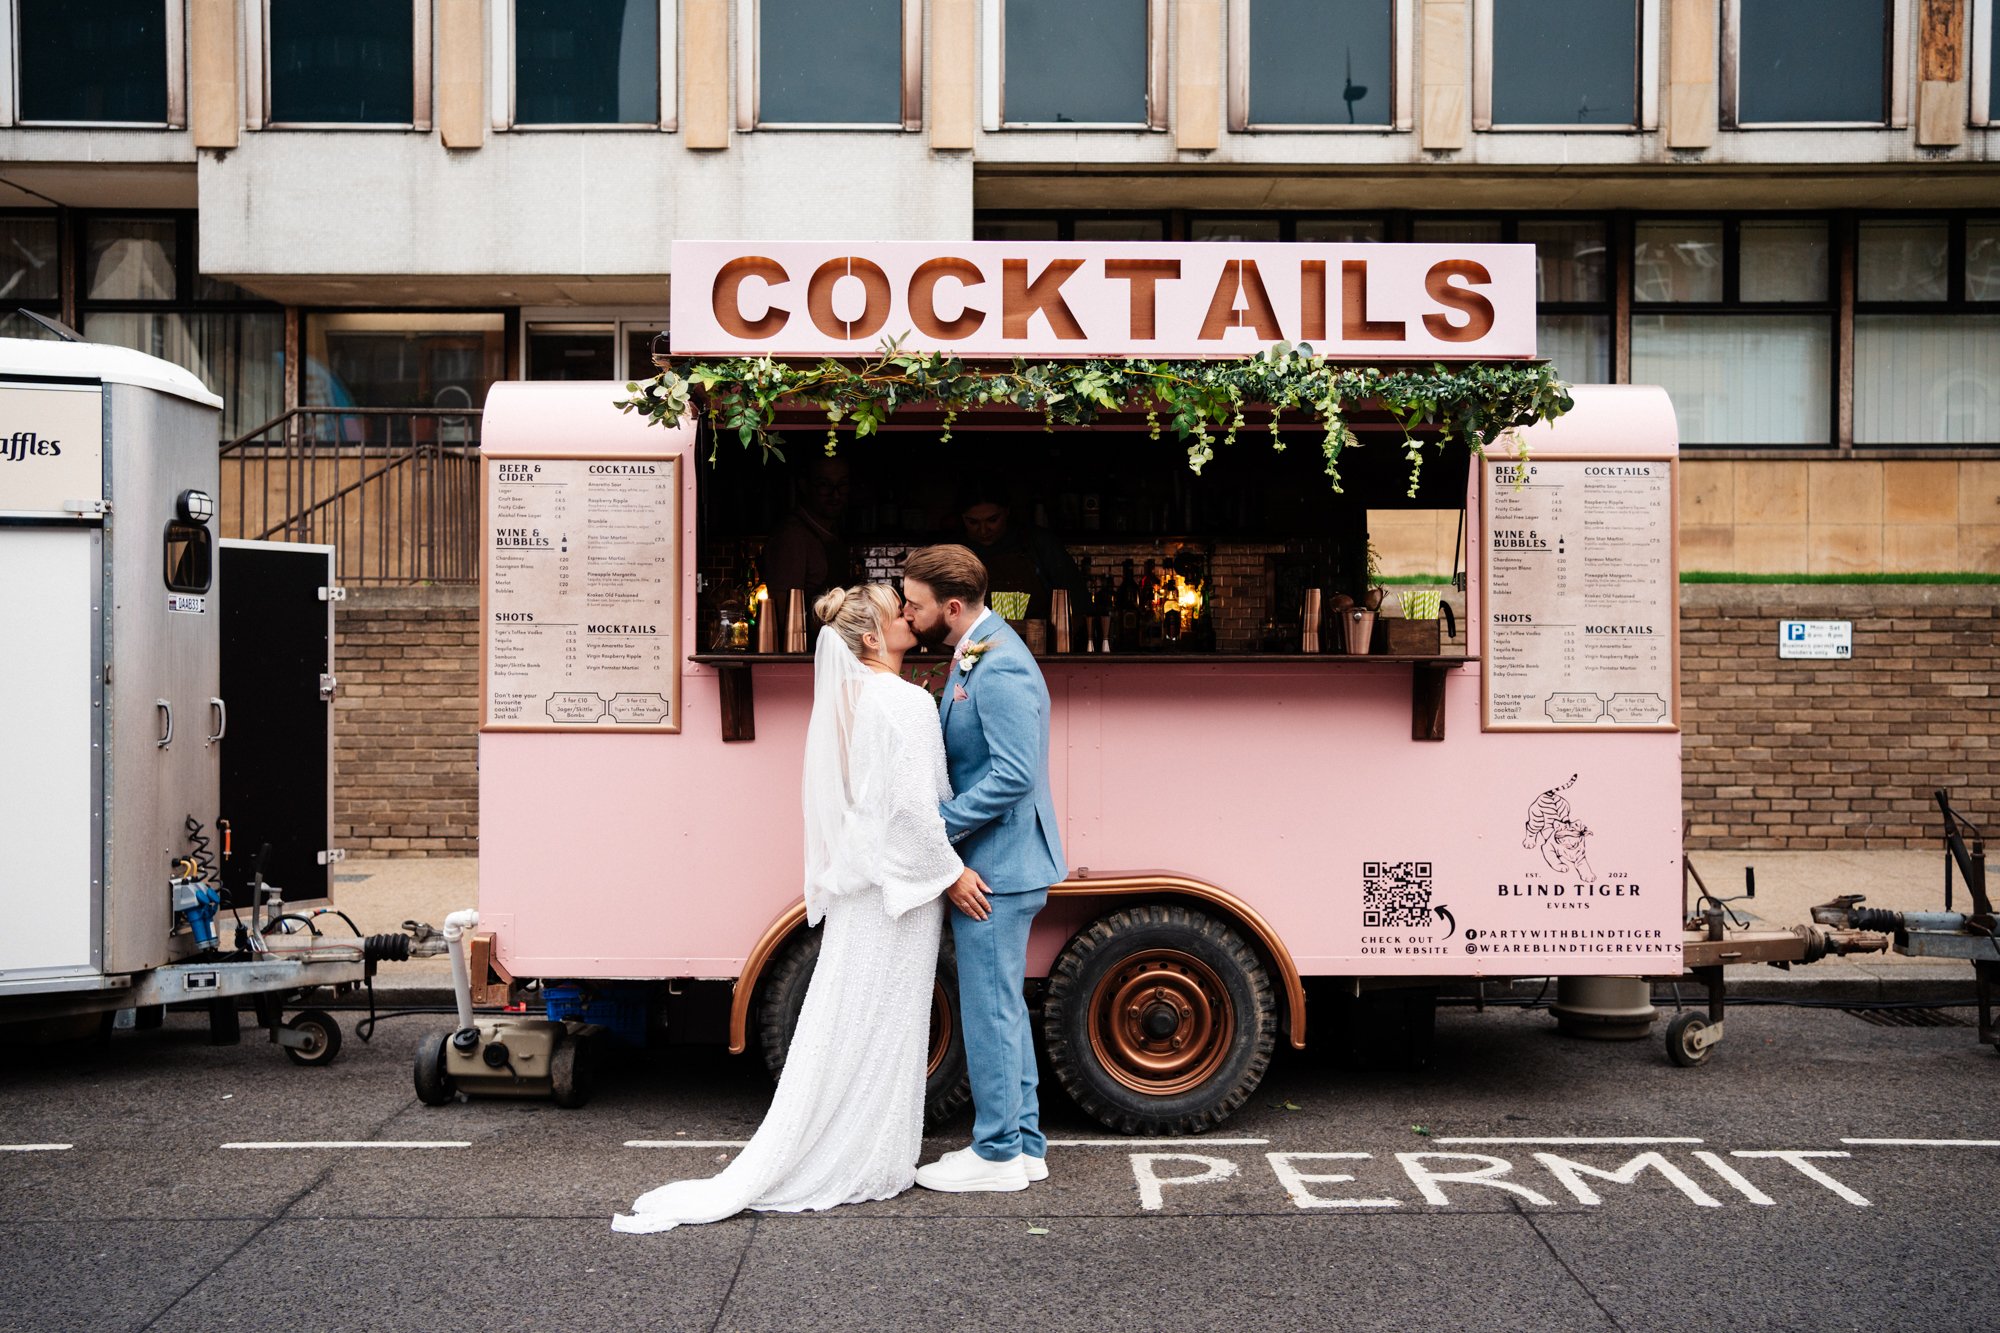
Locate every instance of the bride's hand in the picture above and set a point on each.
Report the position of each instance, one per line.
(968, 894)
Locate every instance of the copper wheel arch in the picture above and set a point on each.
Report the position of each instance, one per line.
(1118, 884)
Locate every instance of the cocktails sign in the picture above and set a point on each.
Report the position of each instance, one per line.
(998, 298)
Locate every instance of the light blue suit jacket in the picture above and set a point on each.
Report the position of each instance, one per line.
(1002, 821)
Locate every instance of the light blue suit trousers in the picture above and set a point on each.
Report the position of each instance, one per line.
(1002, 822)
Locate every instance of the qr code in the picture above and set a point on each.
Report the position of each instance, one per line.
(1395, 893)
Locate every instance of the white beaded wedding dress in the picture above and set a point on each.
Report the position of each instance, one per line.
(846, 1124)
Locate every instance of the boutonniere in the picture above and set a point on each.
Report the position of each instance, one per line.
(971, 655)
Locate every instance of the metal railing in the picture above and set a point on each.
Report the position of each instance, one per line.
(395, 491)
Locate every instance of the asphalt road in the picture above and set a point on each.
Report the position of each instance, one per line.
(148, 1221)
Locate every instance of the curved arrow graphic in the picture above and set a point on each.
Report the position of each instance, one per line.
(1445, 912)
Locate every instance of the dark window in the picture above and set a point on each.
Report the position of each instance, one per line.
(1993, 73)
(131, 259)
(1735, 320)
(822, 64)
(1565, 62)
(1076, 61)
(1070, 227)
(102, 60)
(571, 351)
(587, 62)
(28, 269)
(1926, 332)
(1811, 60)
(1320, 62)
(346, 63)
(365, 358)
(190, 557)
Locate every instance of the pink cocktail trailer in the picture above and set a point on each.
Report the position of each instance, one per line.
(1241, 816)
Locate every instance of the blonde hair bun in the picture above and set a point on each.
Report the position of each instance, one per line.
(855, 613)
(827, 608)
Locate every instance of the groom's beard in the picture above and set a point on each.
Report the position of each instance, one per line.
(932, 636)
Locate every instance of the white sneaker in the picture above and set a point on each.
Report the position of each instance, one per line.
(1037, 1167)
(966, 1172)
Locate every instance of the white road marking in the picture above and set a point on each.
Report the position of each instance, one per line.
(1152, 1184)
(1193, 1142)
(1805, 1168)
(1923, 1143)
(36, 1147)
(1570, 1142)
(1736, 1179)
(352, 1143)
(687, 1143)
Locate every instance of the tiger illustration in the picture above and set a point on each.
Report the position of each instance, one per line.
(1551, 828)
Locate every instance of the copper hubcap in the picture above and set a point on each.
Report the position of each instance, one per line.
(1161, 1022)
(940, 1028)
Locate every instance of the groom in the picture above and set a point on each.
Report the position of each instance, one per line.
(1002, 821)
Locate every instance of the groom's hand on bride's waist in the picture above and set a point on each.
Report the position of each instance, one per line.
(968, 895)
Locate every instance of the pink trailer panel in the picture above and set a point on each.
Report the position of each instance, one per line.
(1294, 785)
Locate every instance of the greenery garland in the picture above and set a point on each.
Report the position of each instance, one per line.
(1205, 401)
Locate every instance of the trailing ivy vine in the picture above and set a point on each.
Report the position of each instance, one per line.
(1208, 403)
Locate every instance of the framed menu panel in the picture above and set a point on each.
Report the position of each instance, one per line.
(1580, 627)
(580, 601)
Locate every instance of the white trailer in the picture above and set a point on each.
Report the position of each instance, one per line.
(113, 721)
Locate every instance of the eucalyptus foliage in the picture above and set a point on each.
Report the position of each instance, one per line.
(1205, 402)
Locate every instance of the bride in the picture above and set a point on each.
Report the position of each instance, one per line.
(846, 1124)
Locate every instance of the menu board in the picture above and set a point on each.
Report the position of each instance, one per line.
(580, 600)
(1581, 599)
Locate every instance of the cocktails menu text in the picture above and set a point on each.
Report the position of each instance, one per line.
(582, 594)
(1580, 596)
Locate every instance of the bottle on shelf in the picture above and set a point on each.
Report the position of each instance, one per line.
(1149, 608)
(1125, 635)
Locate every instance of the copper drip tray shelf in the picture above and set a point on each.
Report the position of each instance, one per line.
(1427, 677)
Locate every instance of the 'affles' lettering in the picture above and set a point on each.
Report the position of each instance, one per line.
(27, 444)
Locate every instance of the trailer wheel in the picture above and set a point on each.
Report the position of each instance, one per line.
(322, 1030)
(1681, 1034)
(1159, 1020)
(434, 1086)
(947, 1086)
(570, 1072)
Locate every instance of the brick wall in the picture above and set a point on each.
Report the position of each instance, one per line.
(406, 722)
(1838, 754)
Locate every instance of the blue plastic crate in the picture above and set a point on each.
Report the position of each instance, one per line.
(619, 1009)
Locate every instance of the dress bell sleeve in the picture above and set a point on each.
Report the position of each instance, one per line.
(897, 831)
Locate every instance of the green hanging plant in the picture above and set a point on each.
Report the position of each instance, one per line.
(1471, 405)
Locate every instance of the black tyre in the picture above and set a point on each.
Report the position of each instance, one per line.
(225, 1024)
(434, 1086)
(570, 1072)
(1681, 1034)
(947, 1086)
(322, 1031)
(1159, 1020)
